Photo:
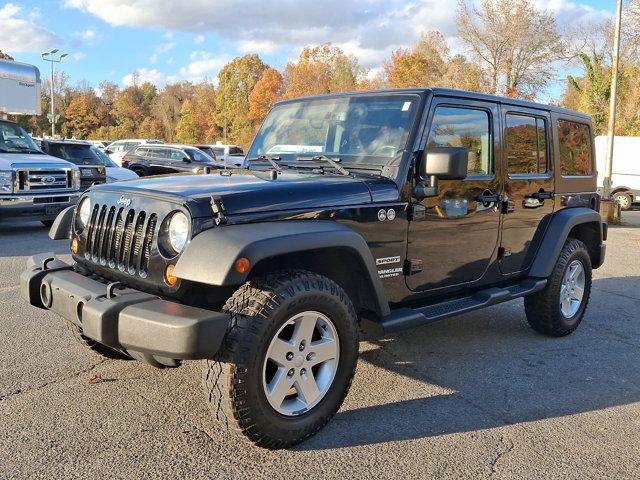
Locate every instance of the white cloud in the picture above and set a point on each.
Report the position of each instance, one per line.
(87, 35)
(21, 34)
(77, 56)
(143, 75)
(199, 39)
(153, 59)
(203, 65)
(257, 46)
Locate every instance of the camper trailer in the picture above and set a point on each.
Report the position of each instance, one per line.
(32, 184)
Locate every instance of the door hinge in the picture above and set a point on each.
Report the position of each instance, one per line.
(417, 212)
(412, 266)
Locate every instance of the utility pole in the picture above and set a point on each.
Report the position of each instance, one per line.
(50, 57)
(612, 104)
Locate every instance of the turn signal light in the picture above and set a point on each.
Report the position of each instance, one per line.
(74, 245)
(168, 275)
(242, 265)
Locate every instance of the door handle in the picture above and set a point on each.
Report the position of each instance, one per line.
(542, 195)
(487, 198)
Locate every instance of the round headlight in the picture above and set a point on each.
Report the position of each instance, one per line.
(84, 212)
(178, 231)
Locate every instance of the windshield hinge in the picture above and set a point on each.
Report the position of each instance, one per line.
(217, 207)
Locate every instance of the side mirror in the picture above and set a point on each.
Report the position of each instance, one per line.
(441, 163)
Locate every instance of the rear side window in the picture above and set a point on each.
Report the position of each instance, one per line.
(463, 127)
(526, 144)
(142, 151)
(235, 151)
(575, 148)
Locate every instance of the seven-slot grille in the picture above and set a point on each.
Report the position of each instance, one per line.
(50, 179)
(120, 238)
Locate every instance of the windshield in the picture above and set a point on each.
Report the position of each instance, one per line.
(369, 129)
(13, 139)
(198, 156)
(103, 157)
(78, 154)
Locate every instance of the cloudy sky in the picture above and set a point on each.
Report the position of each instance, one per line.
(169, 40)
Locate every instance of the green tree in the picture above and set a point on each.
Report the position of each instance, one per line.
(235, 83)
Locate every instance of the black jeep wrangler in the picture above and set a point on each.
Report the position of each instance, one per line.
(380, 211)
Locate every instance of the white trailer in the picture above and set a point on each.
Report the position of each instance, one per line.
(625, 176)
(20, 88)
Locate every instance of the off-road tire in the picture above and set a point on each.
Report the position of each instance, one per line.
(543, 308)
(94, 346)
(233, 380)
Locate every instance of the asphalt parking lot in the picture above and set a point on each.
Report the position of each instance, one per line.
(476, 396)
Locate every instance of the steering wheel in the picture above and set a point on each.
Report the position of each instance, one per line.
(382, 151)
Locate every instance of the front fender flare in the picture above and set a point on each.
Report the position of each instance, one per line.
(210, 257)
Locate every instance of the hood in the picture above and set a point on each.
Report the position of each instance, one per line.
(25, 160)
(247, 191)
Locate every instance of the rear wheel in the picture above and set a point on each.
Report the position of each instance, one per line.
(287, 361)
(558, 309)
(623, 199)
(141, 172)
(94, 346)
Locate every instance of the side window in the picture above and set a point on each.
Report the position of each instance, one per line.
(116, 147)
(177, 154)
(526, 144)
(464, 127)
(159, 152)
(575, 148)
(142, 151)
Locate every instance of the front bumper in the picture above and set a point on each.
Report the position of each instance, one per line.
(144, 325)
(39, 207)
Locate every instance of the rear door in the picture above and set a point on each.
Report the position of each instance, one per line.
(529, 184)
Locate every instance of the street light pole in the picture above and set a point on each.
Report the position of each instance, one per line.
(50, 57)
(612, 103)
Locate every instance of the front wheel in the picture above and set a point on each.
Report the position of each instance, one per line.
(288, 359)
(558, 309)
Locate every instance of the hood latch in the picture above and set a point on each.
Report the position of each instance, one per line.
(217, 207)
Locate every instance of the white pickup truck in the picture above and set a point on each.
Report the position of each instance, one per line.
(32, 184)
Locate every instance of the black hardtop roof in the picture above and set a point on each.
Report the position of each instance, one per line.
(450, 92)
(80, 143)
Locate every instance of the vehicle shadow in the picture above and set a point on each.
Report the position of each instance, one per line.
(489, 369)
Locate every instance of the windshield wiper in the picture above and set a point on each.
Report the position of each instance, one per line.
(333, 162)
(271, 160)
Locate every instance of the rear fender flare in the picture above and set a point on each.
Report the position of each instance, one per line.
(556, 235)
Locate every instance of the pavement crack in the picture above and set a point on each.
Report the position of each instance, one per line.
(55, 381)
(509, 446)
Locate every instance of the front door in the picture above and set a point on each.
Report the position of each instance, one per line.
(455, 234)
(529, 185)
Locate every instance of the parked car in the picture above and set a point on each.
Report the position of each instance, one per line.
(114, 172)
(229, 155)
(208, 150)
(625, 177)
(33, 184)
(424, 204)
(117, 149)
(92, 170)
(101, 144)
(164, 159)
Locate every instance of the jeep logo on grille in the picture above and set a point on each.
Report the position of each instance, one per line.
(49, 179)
(124, 201)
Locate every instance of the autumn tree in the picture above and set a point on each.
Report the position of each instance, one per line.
(516, 43)
(236, 81)
(80, 116)
(204, 110)
(5, 56)
(187, 130)
(321, 69)
(422, 65)
(265, 93)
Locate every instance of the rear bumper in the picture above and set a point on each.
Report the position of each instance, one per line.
(40, 207)
(143, 325)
